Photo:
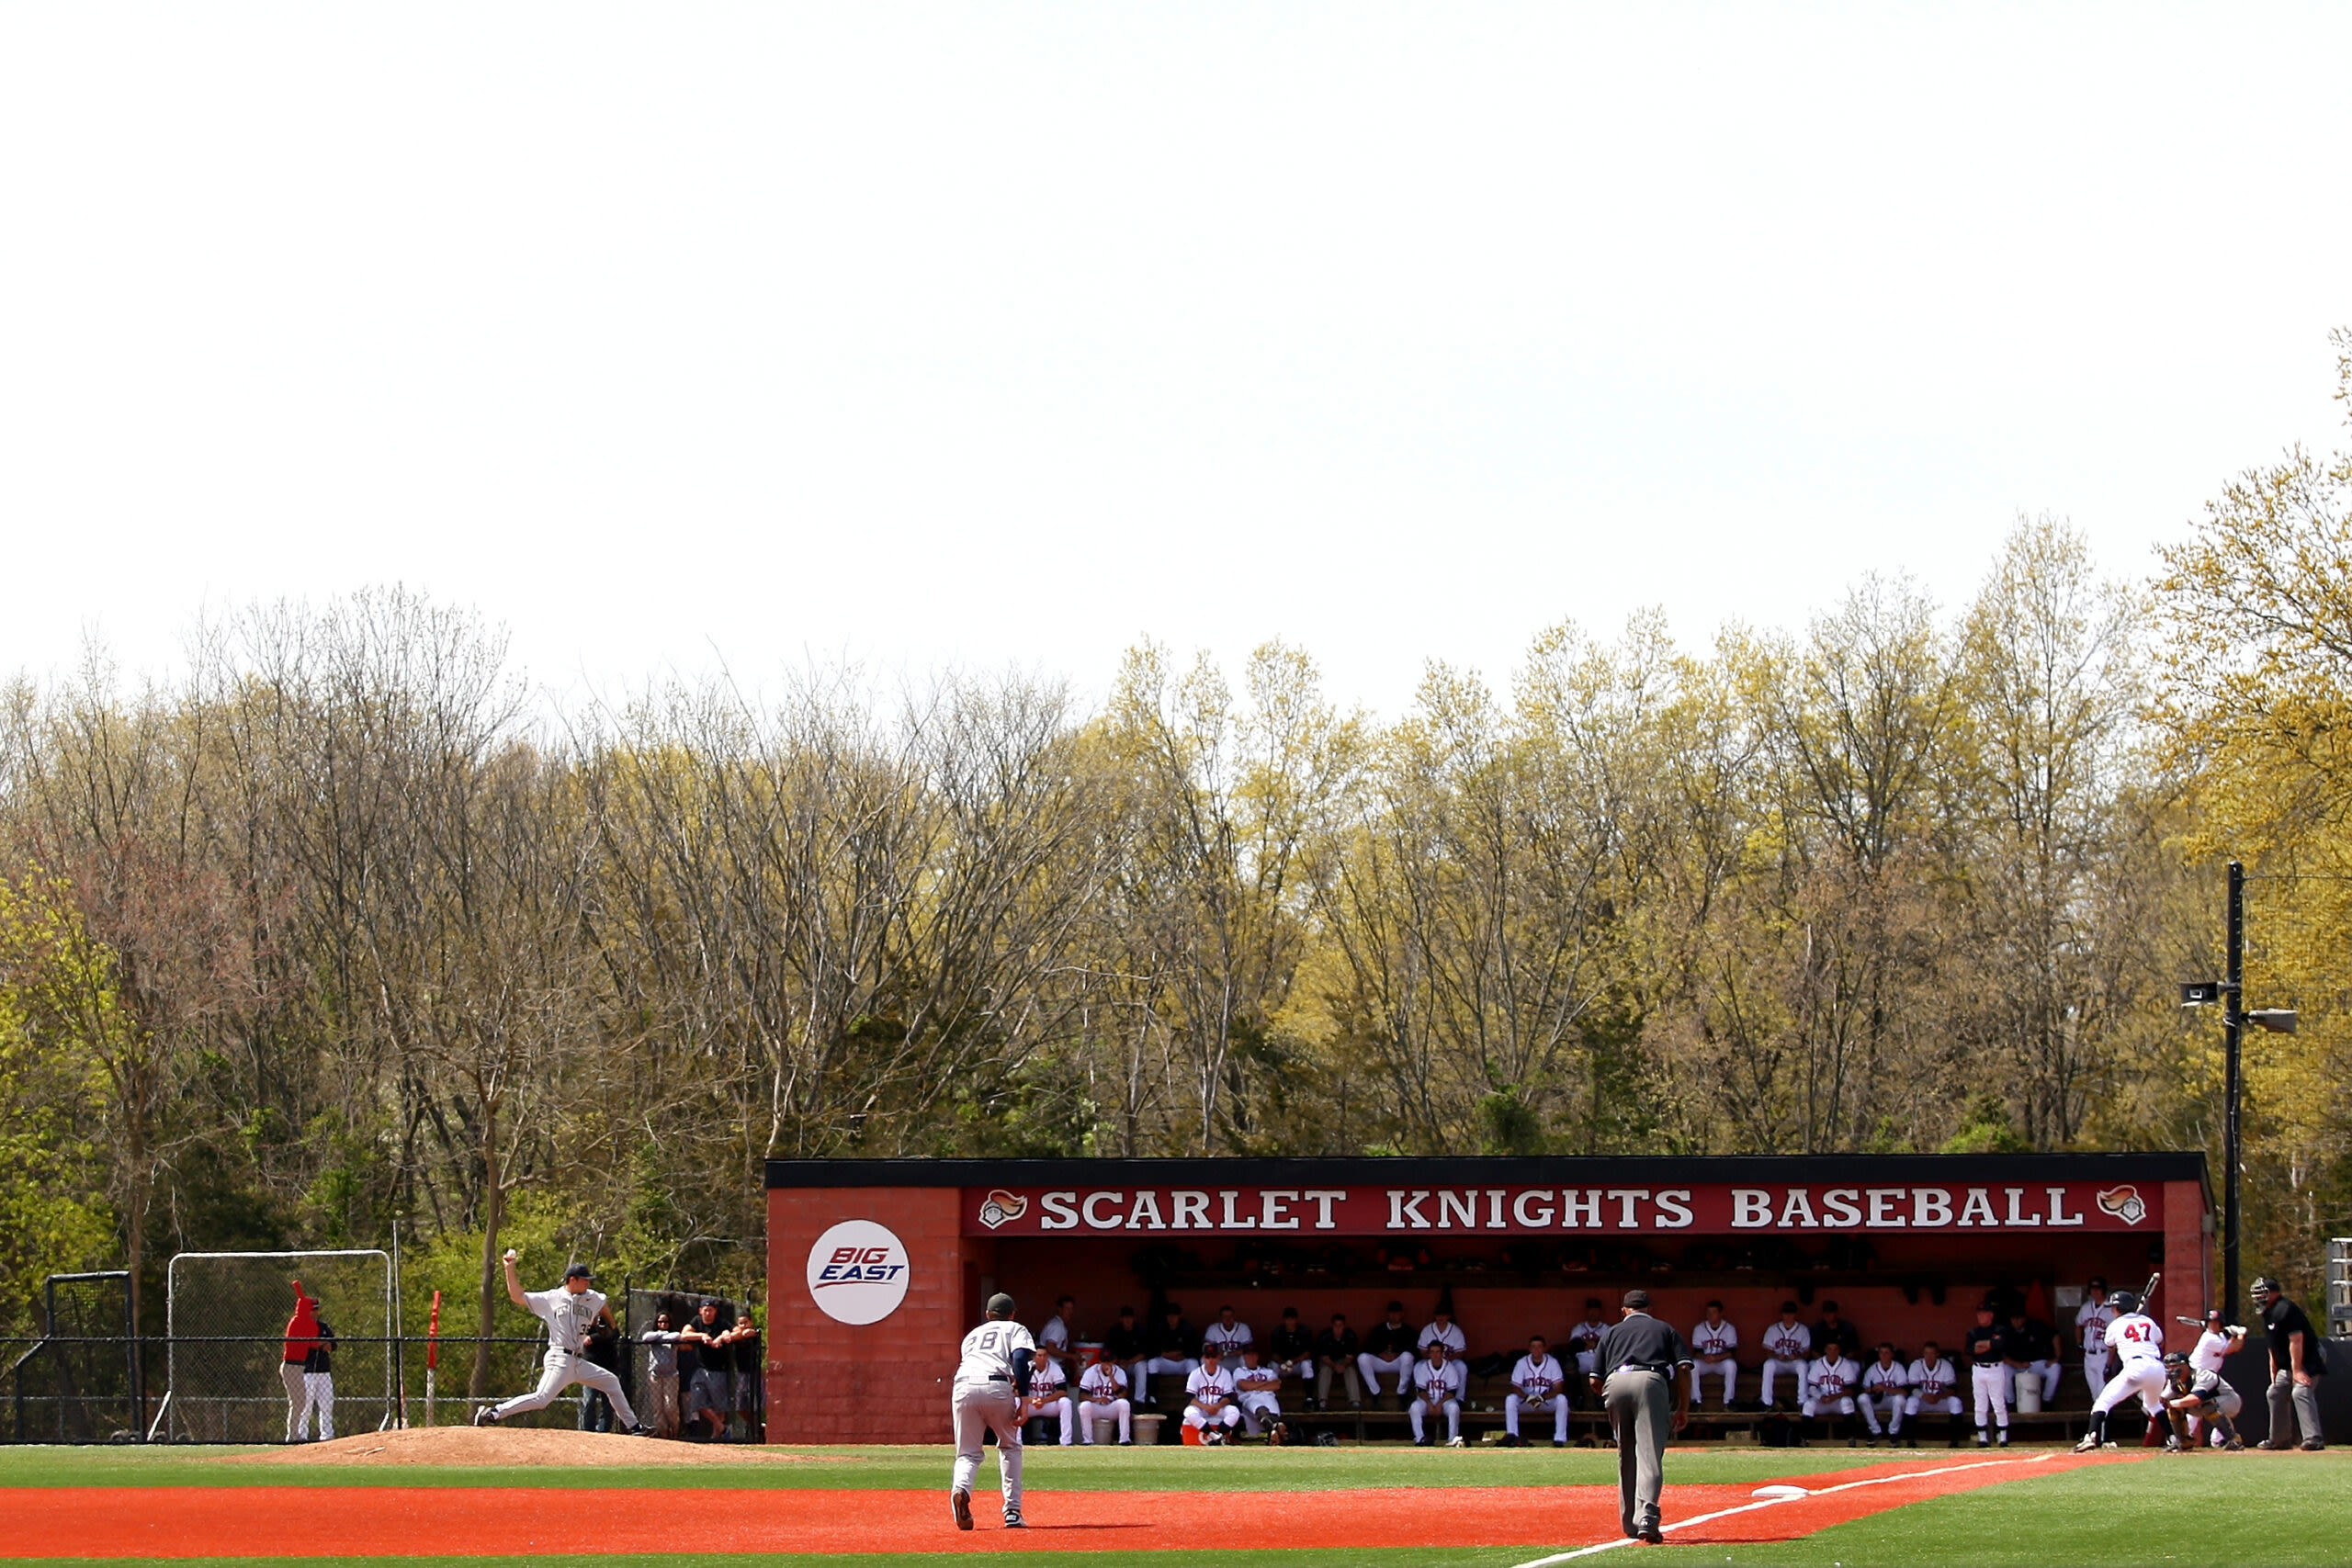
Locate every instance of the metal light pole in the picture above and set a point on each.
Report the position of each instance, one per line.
(2232, 1021)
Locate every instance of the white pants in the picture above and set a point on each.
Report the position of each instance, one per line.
(318, 1387)
(1095, 1410)
(979, 1408)
(1140, 1376)
(1558, 1404)
(1226, 1415)
(1062, 1414)
(1420, 1408)
(1728, 1369)
(2145, 1377)
(1373, 1366)
(2095, 1366)
(306, 1392)
(1255, 1404)
(1991, 1386)
(1842, 1404)
(1774, 1367)
(1893, 1401)
(560, 1369)
(1948, 1405)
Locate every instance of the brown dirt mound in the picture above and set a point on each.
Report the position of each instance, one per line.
(478, 1446)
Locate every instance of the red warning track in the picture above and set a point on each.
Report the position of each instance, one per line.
(402, 1521)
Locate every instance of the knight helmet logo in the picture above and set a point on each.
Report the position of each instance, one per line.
(2124, 1202)
(1000, 1206)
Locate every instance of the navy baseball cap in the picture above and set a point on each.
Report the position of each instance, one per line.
(580, 1271)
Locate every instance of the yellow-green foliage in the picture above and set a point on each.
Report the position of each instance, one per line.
(50, 974)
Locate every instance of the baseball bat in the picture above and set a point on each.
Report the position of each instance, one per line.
(2192, 1321)
(2149, 1294)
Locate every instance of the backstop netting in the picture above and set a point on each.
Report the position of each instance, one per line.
(227, 1313)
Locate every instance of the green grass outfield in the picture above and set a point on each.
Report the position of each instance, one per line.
(2243, 1511)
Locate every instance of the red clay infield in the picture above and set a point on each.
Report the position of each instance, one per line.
(397, 1521)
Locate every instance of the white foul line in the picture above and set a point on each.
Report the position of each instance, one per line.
(1773, 1502)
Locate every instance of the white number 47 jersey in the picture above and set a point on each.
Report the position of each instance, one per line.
(2136, 1337)
(988, 1352)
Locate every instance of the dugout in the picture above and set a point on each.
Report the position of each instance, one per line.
(877, 1268)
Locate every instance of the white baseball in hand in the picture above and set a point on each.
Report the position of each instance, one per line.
(513, 1256)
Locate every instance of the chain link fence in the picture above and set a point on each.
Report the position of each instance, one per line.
(218, 1378)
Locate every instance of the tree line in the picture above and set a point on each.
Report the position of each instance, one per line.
(340, 927)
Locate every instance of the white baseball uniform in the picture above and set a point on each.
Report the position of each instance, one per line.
(1259, 1391)
(1787, 1346)
(1709, 1340)
(2140, 1342)
(2210, 1351)
(2090, 1322)
(1228, 1338)
(1538, 1386)
(1584, 1343)
(1055, 1335)
(1050, 1395)
(1372, 1366)
(1456, 1344)
(1208, 1398)
(1103, 1392)
(1932, 1384)
(1829, 1385)
(1884, 1385)
(983, 1400)
(568, 1317)
(1436, 1386)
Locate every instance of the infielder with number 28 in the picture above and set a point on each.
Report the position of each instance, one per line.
(991, 1385)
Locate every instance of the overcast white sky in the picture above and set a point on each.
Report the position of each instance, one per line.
(1000, 333)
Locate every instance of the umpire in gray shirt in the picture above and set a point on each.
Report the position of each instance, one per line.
(1639, 1375)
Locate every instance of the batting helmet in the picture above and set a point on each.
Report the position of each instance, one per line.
(2124, 1301)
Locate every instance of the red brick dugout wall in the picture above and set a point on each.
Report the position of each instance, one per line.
(882, 1383)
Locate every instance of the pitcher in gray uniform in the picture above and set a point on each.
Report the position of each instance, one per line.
(567, 1310)
(1639, 1374)
(992, 1381)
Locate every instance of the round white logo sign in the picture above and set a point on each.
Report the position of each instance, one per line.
(857, 1273)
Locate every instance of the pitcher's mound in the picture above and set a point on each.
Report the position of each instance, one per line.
(508, 1445)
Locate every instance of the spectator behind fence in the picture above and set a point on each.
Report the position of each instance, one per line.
(703, 1369)
(661, 1343)
(603, 1350)
(746, 1388)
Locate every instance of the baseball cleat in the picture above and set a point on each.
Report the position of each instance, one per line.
(1454, 1443)
(960, 1504)
(1014, 1522)
(486, 1416)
